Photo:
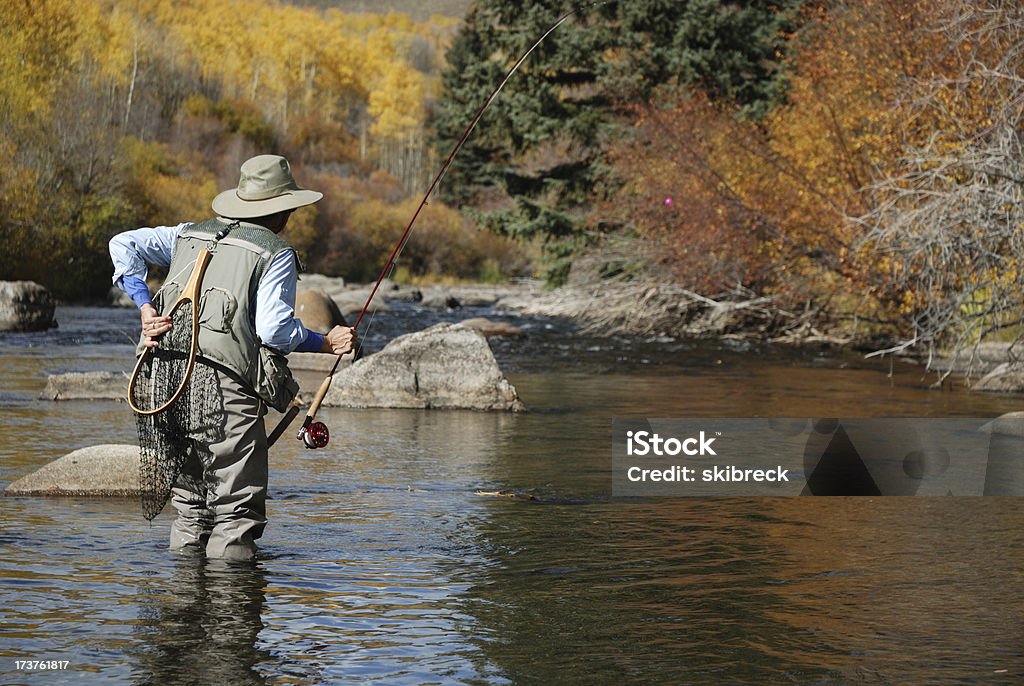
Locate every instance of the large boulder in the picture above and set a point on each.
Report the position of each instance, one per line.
(101, 470)
(25, 306)
(1009, 424)
(317, 362)
(86, 386)
(1006, 378)
(326, 283)
(317, 310)
(470, 297)
(409, 294)
(445, 366)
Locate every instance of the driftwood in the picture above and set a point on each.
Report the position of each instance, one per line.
(651, 308)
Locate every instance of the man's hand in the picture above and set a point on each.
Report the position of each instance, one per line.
(153, 325)
(339, 340)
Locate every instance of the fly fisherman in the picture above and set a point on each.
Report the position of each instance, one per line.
(246, 312)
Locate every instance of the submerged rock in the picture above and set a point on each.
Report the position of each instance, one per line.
(25, 306)
(445, 366)
(86, 386)
(100, 470)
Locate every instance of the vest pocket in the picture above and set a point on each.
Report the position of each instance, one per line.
(217, 310)
(275, 384)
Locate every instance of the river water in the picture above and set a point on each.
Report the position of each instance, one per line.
(383, 564)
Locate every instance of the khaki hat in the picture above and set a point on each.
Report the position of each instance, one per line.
(265, 187)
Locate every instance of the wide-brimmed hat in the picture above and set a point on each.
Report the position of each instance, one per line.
(265, 187)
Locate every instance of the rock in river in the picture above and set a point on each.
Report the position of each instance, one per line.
(1006, 378)
(86, 386)
(491, 328)
(316, 310)
(25, 306)
(100, 470)
(445, 366)
(440, 298)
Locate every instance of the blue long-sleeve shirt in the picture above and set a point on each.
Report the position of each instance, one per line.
(276, 324)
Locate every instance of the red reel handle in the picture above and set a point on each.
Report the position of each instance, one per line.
(316, 435)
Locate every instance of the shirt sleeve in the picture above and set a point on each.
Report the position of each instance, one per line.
(276, 324)
(131, 251)
(313, 344)
(136, 289)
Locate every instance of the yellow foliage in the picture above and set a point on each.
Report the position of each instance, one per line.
(39, 45)
(141, 111)
(167, 188)
(397, 103)
(295, 60)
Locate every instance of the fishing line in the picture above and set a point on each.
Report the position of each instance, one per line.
(315, 434)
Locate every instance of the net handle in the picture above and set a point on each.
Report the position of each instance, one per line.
(189, 294)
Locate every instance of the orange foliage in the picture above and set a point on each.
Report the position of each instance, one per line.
(367, 217)
(767, 205)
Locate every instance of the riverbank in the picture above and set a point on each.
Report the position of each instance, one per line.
(656, 309)
(653, 308)
(602, 307)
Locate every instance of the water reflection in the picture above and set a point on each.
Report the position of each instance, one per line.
(201, 625)
(733, 590)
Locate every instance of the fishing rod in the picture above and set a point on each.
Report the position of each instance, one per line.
(315, 434)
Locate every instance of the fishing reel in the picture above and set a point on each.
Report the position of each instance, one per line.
(314, 436)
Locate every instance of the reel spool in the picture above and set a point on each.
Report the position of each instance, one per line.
(316, 435)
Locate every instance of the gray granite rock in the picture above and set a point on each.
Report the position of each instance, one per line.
(25, 306)
(445, 366)
(1010, 424)
(86, 386)
(440, 298)
(101, 470)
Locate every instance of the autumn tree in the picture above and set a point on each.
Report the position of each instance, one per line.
(60, 126)
(948, 217)
(114, 115)
(765, 204)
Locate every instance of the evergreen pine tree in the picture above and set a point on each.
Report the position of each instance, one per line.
(533, 165)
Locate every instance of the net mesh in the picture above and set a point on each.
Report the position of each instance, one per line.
(167, 439)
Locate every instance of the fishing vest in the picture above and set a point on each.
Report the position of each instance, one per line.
(227, 301)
